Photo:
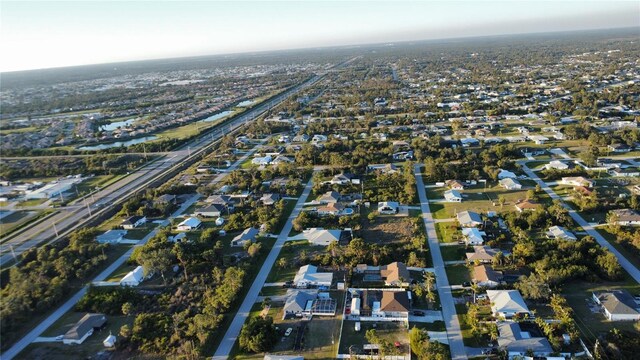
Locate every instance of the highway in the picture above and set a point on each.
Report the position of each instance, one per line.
(69, 218)
(449, 314)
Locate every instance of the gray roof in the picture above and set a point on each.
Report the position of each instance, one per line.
(511, 337)
(618, 302)
(469, 218)
(87, 323)
(298, 302)
(247, 234)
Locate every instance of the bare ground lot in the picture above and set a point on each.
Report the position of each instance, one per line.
(387, 230)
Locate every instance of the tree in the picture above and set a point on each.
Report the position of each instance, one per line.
(156, 260)
(282, 263)
(254, 249)
(533, 287)
(258, 335)
(425, 349)
(127, 309)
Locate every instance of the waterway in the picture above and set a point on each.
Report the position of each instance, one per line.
(217, 116)
(117, 124)
(118, 143)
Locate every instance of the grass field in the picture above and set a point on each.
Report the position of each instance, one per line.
(391, 331)
(452, 253)
(448, 232)
(33, 202)
(17, 130)
(477, 199)
(290, 251)
(457, 274)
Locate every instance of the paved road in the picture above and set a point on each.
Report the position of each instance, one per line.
(224, 349)
(67, 306)
(626, 264)
(449, 314)
(68, 219)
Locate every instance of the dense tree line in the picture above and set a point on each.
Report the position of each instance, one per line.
(58, 166)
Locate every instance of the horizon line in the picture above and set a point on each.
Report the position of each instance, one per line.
(249, 52)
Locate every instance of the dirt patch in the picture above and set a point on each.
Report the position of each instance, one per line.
(386, 230)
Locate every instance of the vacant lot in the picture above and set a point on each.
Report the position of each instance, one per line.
(477, 198)
(387, 229)
(457, 274)
(391, 331)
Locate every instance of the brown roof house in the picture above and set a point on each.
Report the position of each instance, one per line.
(394, 304)
(483, 254)
(395, 274)
(484, 275)
(526, 205)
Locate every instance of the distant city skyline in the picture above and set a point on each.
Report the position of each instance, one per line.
(56, 33)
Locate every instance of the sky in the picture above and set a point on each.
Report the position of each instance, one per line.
(48, 34)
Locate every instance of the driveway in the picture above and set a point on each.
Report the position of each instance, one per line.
(588, 228)
(450, 317)
(224, 349)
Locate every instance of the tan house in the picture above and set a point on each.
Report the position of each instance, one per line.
(526, 205)
(484, 275)
(395, 274)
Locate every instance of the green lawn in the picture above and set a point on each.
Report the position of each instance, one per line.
(629, 254)
(452, 253)
(457, 274)
(391, 331)
(34, 202)
(448, 232)
(434, 326)
(477, 198)
(467, 337)
(290, 251)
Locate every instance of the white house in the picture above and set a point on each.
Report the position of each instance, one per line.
(452, 196)
(618, 305)
(189, 224)
(473, 236)
(133, 278)
(309, 276)
(318, 138)
(557, 165)
(558, 232)
(519, 344)
(321, 237)
(576, 181)
(510, 184)
(394, 304)
(110, 341)
(626, 217)
(248, 235)
(626, 172)
(506, 174)
(507, 303)
(355, 306)
(388, 207)
(264, 160)
(111, 237)
(133, 222)
(469, 218)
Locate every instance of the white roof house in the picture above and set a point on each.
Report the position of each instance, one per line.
(388, 207)
(510, 184)
(507, 303)
(265, 160)
(189, 224)
(556, 164)
(452, 196)
(469, 218)
(133, 278)
(111, 237)
(558, 232)
(506, 174)
(308, 275)
(473, 236)
(110, 341)
(320, 236)
(248, 235)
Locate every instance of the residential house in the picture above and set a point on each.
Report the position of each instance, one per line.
(473, 236)
(482, 254)
(388, 207)
(619, 148)
(282, 357)
(485, 276)
(626, 217)
(469, 142)
(298, 304)
(395, 274)
(301, 138)
(133, 277)
(506, 174)
(452, 196)
(341, 179)
(84, 328)
(624, 172)
(262, 160)
(394, 304)
(556, 165)
(331, 209)
(213, 210)
(269, 199)
(558, 232)
(383, 168)
(330, 197)
(510, 184)
(166, 199)
(520, 344)
(576, 181)
(403, 155)
(133, 222)
(469, 219)
(248, 235)
(526, 205)
(318, 138)
(111, 237)
(321, 237)
(189, 224)
(455, 184)
(308, 276)
(507, 303)
(618, 305)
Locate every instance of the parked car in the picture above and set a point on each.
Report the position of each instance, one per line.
(288, 332)
(418, 313)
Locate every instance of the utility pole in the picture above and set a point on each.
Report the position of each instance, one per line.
(15, 258)
(88, 207)
(55, 229)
